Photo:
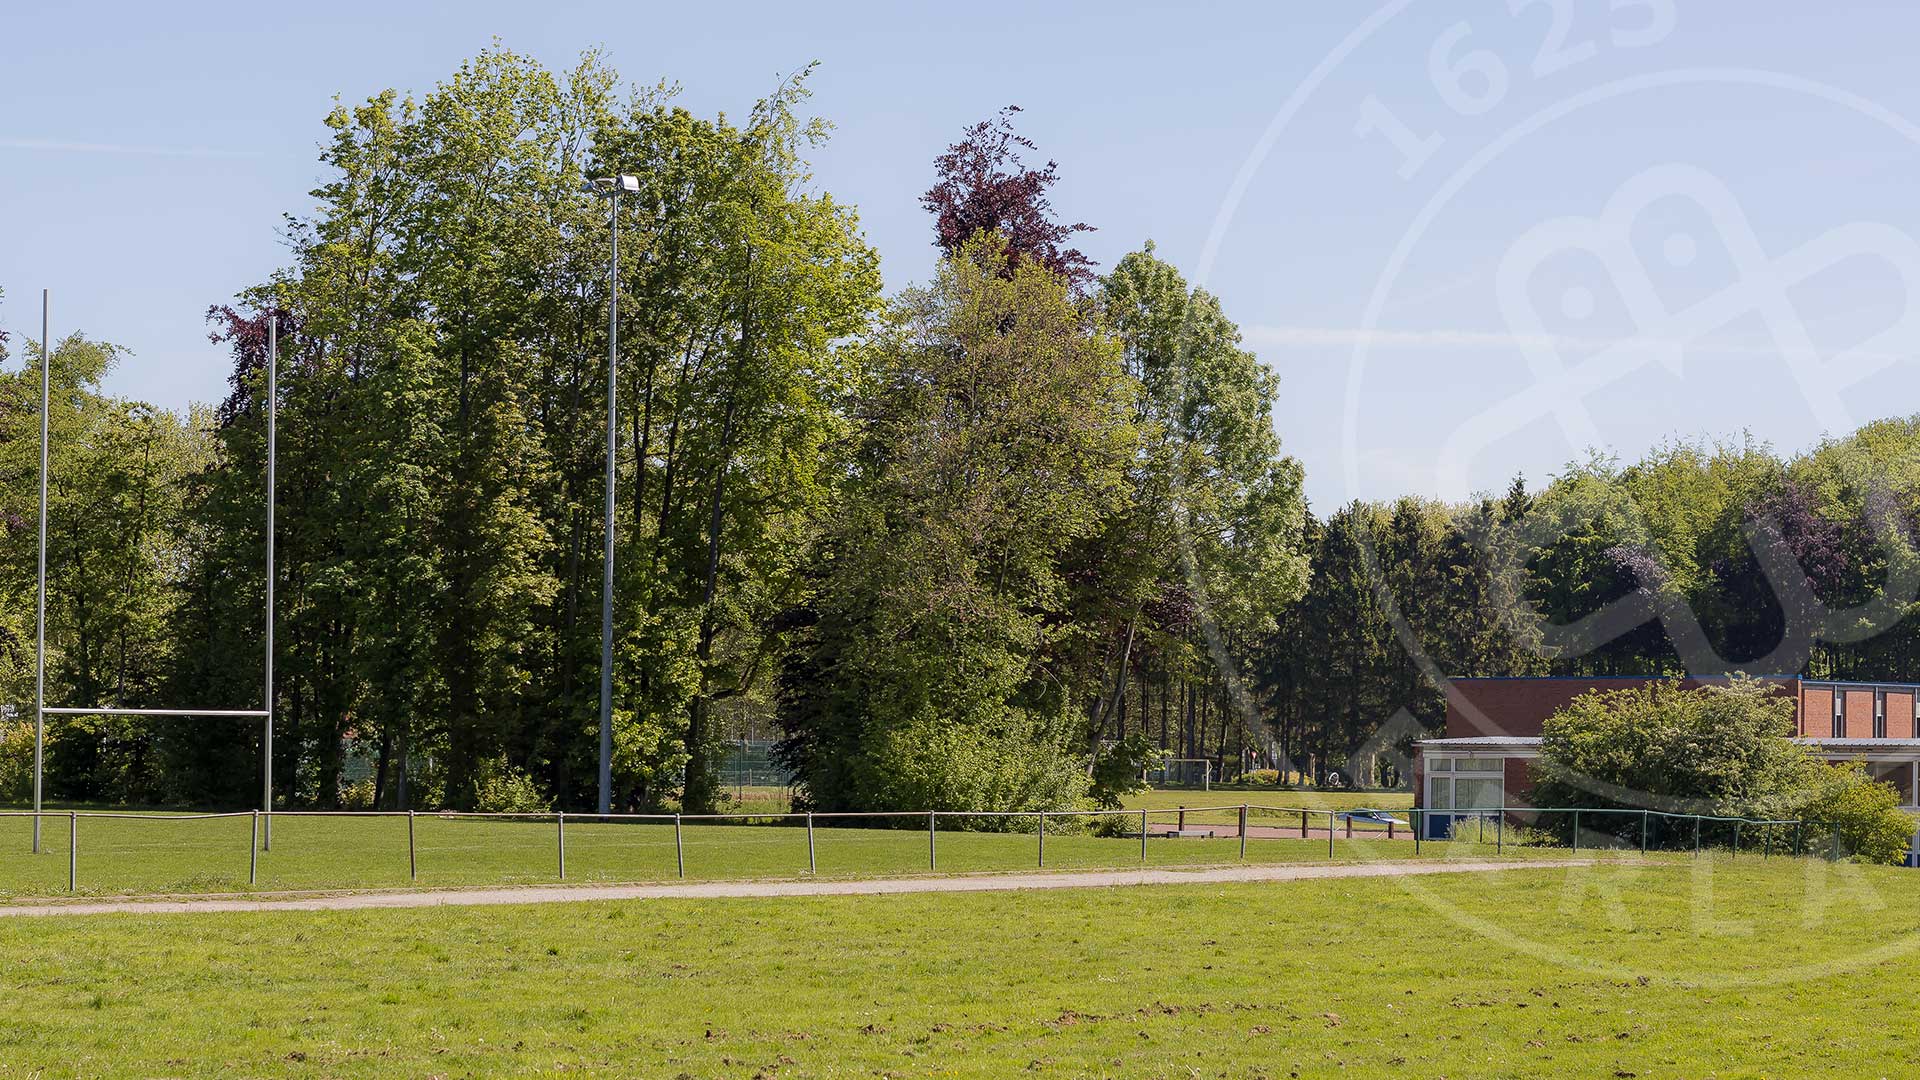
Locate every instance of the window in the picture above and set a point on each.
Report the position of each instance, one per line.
(1879, 714)
(1476, 794)
(1839, 713)
(1466, 784)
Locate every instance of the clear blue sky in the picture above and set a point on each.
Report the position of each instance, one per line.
(148, 152)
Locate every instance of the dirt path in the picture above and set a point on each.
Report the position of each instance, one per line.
(555, 894)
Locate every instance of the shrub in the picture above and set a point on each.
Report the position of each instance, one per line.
(1721, 750)
(16, 761)
(1118, 767)
(504, 789)
(1859, 815)
(357, 795)
(1714, 750)
(1262, 777)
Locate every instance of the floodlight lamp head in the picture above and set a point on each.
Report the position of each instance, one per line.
(623, 182)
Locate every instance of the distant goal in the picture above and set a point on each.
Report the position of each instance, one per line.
(1182, 773)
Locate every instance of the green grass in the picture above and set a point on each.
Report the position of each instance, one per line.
(1229, 801)
(1740, 968)
(120, 855)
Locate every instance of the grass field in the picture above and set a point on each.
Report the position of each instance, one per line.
(1724, 968)
(775, 800)
(198, 855)
(1161, 799)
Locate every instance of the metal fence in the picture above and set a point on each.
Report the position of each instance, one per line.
(1527, 829)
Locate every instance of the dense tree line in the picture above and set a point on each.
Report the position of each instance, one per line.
(1698, 559)
(929, 539)
(999, 539)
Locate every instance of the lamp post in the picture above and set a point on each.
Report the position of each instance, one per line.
(611, 187)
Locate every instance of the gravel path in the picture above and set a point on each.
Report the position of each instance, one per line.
(556, 894)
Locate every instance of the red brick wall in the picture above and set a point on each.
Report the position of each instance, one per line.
(1900, 714)
(1816, 713)
(1519, 707)
(1519, 777)
(1859, 714)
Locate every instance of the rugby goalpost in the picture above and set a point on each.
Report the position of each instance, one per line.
(1181, 772)
(41, 709)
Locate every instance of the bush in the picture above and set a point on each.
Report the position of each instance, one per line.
(1262, 777)
(1862, 815)
(16, 761)
(357, 795)
(1722, 750)
(504, 789)
(1119, 766)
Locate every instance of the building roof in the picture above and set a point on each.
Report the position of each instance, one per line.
(1470, 742)
(1659, 678)
(1523, 742)
(1823, 743)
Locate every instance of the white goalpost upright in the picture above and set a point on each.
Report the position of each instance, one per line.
(41, 709)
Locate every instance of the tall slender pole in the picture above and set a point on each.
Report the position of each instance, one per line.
(273, 447)
(606, 577)
(40, 603)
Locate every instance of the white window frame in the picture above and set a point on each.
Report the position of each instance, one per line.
(1443, 778)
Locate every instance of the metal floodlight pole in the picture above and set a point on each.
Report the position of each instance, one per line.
(273, 439)
(612, 185)
(40, 602)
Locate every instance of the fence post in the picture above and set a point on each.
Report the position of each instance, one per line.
(1696, 835)
(1043, 838)
(253, 852)
(1576, 832)
(933, 860)
(811, 868)
(73, 851)
(1415, 819)
(1643, 832)
(1330, 824)
(1799, 836)
(679, 849)
(1182, 825)
(413, 860)
(1736, 837)
(1303, 824)
(1143, 836)
(562, 819)
(1243, 830)
(1500, 832)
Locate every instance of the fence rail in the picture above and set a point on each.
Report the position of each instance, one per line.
(1520, 827)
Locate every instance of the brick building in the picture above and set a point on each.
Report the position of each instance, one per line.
(1493, 733)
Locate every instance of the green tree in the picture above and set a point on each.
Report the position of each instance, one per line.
(997, 434)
